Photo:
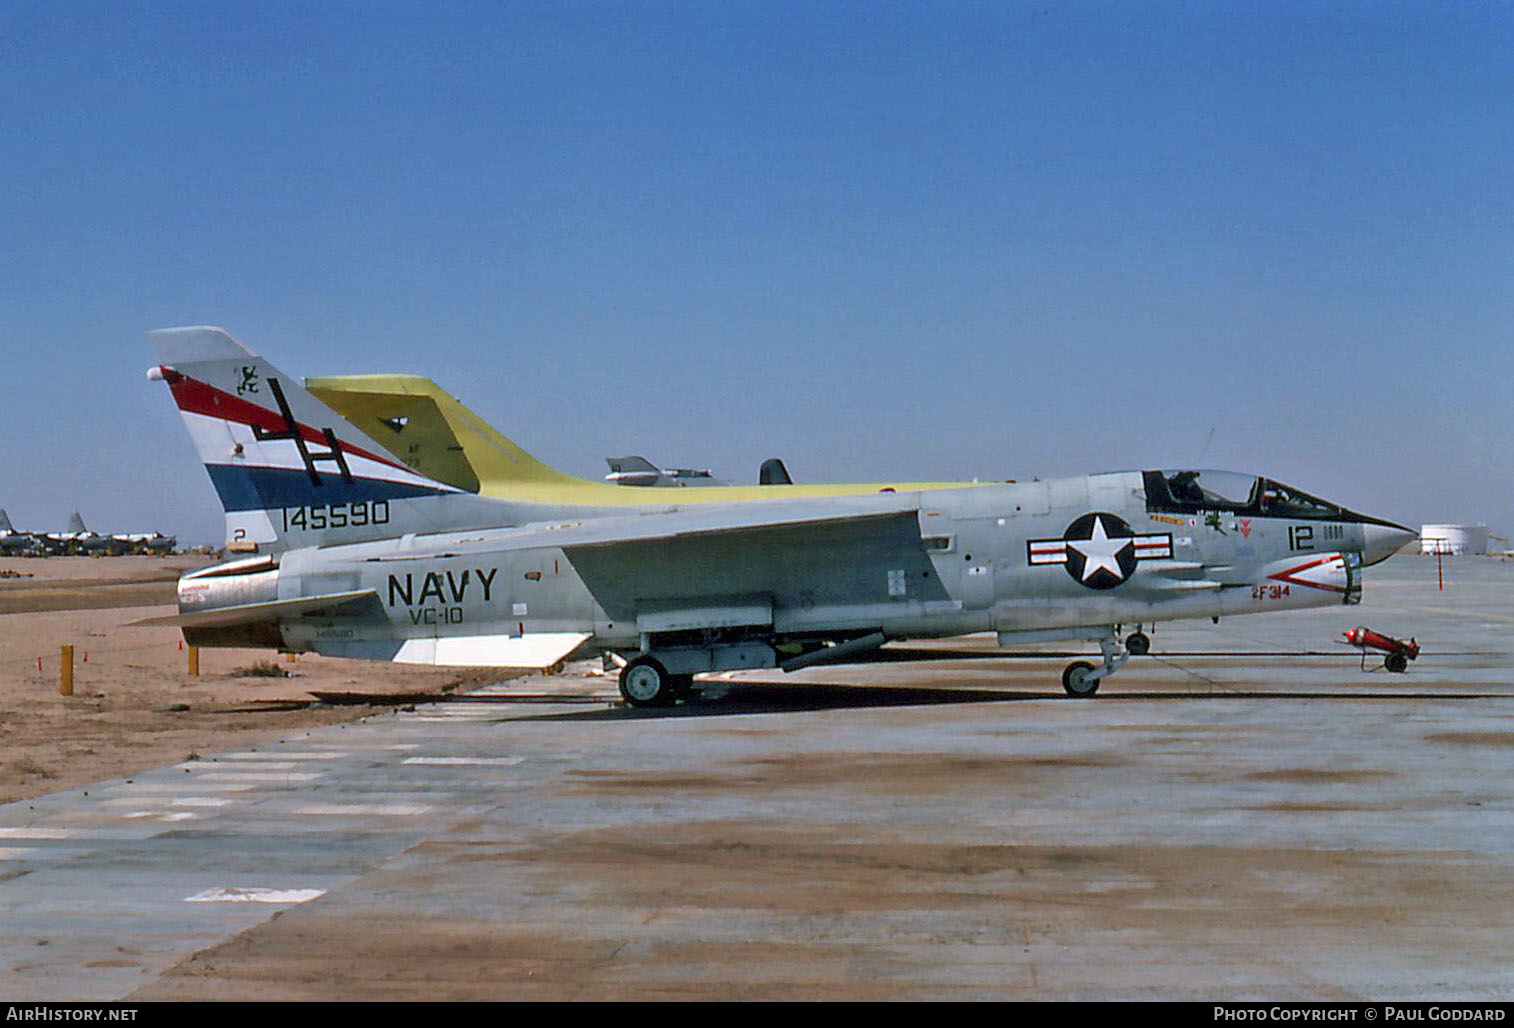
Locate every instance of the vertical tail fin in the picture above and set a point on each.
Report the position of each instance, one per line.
(76, 524)
(5, 522)
(288, 469)
(773, 472)
(436, 434)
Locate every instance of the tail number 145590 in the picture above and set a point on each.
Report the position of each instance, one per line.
(336, 515)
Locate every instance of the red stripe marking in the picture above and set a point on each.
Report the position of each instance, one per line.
(196, 397)
(1287, 576)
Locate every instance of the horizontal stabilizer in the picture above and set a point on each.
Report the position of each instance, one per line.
(538, 650)
(252, 613)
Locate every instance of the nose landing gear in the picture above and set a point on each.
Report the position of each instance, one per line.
(1081, 679)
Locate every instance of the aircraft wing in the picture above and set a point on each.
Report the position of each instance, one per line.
(853, 562)
(667, 524)
(756, 565)
(670, 523)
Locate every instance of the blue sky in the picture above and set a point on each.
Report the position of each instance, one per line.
(881, 240)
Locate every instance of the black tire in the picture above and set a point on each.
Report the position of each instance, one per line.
(1076, 682)
(1138, 643)
(1396, 662)
(646, 683)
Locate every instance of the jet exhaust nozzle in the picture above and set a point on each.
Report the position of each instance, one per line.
(214, 604)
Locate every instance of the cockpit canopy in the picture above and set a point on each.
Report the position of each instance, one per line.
(1189, 492)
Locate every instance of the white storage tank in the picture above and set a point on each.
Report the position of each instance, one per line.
(1453, 539)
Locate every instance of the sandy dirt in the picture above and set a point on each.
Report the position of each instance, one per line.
(134, 704)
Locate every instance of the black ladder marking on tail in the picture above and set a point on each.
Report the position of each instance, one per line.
(292, 431)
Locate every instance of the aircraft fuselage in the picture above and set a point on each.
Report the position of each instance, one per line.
(1056, 558)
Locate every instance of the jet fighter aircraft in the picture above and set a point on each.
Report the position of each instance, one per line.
(638, 471)
(361, 556)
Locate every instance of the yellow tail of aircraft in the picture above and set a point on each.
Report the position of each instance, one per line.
(437, 436)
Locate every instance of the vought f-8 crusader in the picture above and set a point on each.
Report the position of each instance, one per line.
(347, 551)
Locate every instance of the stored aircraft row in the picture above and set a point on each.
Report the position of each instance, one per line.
(361, 538)
(77, 539)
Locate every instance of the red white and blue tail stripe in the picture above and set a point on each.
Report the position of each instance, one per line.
(270, 447)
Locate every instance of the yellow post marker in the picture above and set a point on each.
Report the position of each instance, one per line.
(194, 662)
(66, 671)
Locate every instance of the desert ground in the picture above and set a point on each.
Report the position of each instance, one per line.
(134, 703)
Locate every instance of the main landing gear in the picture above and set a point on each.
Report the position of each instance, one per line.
(1081, 679)
(1137, 642)
(644, 682)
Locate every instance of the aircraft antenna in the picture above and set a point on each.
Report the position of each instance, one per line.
(1205, 450)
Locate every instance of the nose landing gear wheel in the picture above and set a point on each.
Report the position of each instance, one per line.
(1076, 680)
(1081, 679)
(646, 683)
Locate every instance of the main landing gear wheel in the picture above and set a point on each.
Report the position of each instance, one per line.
(1077, 681)
(646, 683)
(1138, 643)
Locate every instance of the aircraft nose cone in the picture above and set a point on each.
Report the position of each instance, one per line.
(1382, 539)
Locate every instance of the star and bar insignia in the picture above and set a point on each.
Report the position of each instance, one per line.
(1099, 550)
